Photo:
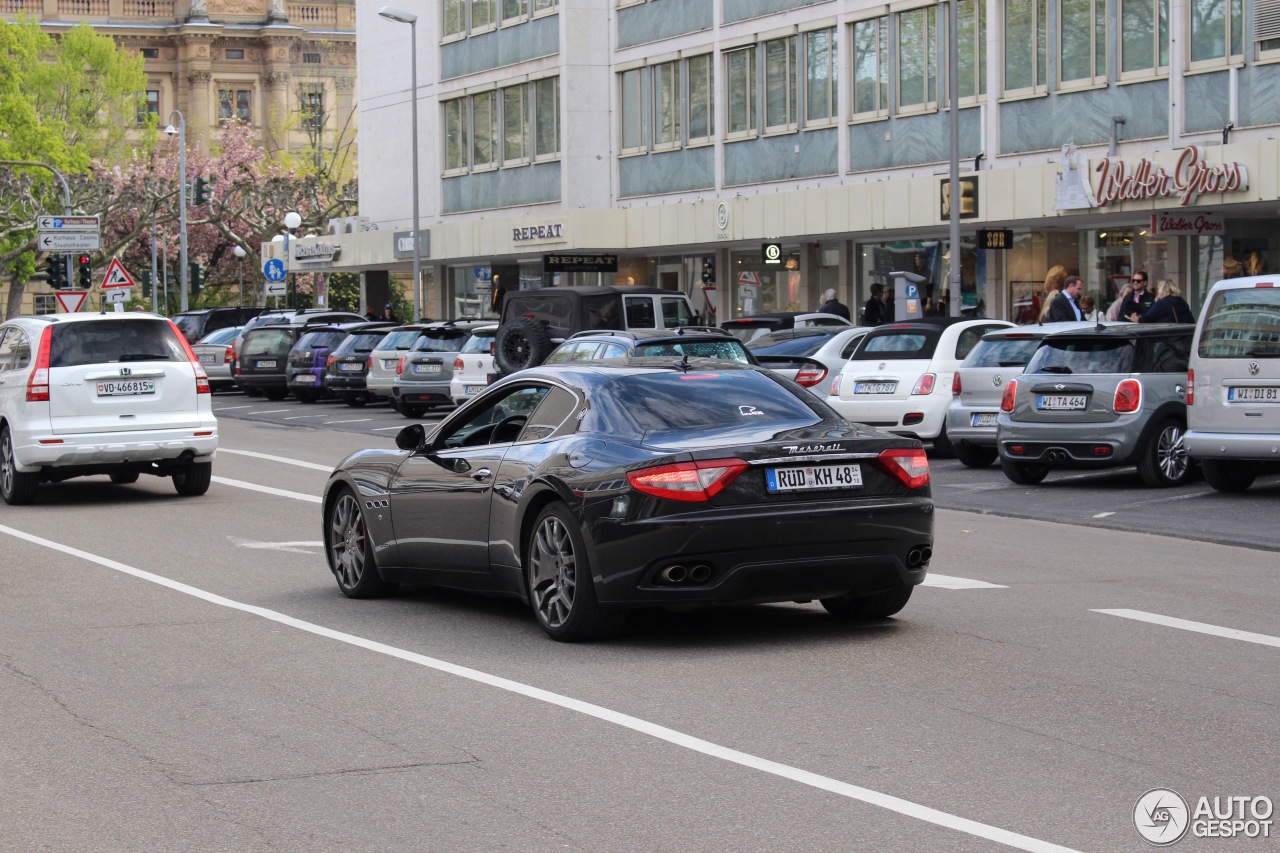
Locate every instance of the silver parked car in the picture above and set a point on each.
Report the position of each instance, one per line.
(424, 373)
(385, 358)
(1100, 398)
(214, 352)
(810, 356)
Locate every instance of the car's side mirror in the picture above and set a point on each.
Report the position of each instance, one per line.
(413, 437)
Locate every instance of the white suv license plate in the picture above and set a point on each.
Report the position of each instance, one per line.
(984, 419)
(1253, 394)
(128, 388)
(813, 477)
(1062, 402)
(875, 387)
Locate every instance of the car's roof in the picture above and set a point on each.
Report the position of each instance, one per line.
(594, 373)
(90, 317)
(598, 290)
(682, 333)
(1040, 330)
(1261, 281)
(770, 317)
(1126, 330)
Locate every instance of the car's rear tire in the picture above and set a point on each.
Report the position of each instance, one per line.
(17, 488)
(521, 343)
(194, 480)
(1164, 461)
(975, 456)
(350, 550)
(413, 411)
(1024, 473)
(561, 588)
(1228, 475)
(275, 394)
(306, 396)
(942, 446)
(124, 478)
(878, 605)
(356, 401)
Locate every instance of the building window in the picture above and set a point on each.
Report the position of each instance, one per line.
(700, 98)
(45, 303)
(871, 67)
(666, 105)
(515, 125)
(234, 103)
(544, 5)
(455, 17)
(546, 118)
(148, 104)
(150, 53)
(483, 15)
(971, 15)
(740, 92)
(917, 59)
(514, 10)
(234, 53)
(1266, 25)
(311, 58)
(484, 130)
(313, 110)
(1216, 26)
(780, 102)
(1082, 41)
(455, 135)
(632, 108)
(820, 70)
(1025, 43)
(243, 111)
(1144, 37)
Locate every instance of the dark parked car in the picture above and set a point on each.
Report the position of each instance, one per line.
(290, 317)
(1100, 398)
(752, 327)
(264, 356)
(348, 363)
(693, 341)
(590, 489)
(309, 357)
(194, 325)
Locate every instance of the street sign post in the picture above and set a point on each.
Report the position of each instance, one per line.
(67, 223)
(273, 269)
(276, 288)
(116, 294)
(69, 241)
(117, 277)
(71, 300)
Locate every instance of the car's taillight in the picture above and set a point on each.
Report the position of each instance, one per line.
(328, 362)
(955, 385)
(924, 385)
(202, 378)
(1191, 387)
(228, 356)
(835, 386)
(1006, 399)
(457, 363)
(687, 481)
(368, 363)
(231, 352)
(907, 465)
(38, 382)
(1128, 397)
(400, 366)
(810, 375)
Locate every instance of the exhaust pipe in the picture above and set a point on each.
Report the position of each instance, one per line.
(1057, 456)
(675, 574)
(926, 553)
(913, 558)
(700, 573)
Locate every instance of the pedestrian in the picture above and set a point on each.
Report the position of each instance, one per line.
(388, 315)
(1169, 306)
(1064, 306)
(1137, 302)
(1087, 304)
(832, 305)
(1053, 283)
(873, 313)
(980, 310)
(1113, 312)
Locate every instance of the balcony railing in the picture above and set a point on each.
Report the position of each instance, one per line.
(301, 15)
(83, 8)
(148, 8)
(13, 7)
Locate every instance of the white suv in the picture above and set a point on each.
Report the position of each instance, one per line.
(1233, 382)
(117, 394)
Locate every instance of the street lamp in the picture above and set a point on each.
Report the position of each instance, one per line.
(240, 253)
(291, 222)
(393, 14)
(181, 132)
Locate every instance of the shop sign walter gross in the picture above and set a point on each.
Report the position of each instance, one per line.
(1193, 175)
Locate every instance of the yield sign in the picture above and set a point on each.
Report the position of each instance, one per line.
(71, 300)
(116, 276)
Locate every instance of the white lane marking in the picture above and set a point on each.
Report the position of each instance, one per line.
(626, 721)
(949, 582)
(291, 547)
(1198, 627)
(1103, 514)
(352, 421)
(229, 408)
(267, 490)
(269, 412)
(300, 417)
(384, 429)
(315, 466)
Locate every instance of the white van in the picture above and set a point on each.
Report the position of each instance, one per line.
(1233, 382)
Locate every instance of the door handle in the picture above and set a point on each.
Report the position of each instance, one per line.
(481, 475)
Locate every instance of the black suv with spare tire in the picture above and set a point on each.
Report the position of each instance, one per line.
(534, 322)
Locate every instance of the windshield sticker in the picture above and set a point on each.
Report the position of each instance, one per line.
(747, 411)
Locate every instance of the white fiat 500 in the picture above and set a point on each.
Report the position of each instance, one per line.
(899, 378)
(116, 394)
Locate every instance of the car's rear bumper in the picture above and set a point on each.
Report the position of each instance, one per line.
(960, 425)
(1073, 445)
(760, 554)
(1226, 445)
(260, 380)
(304, 381)
(919, 416)
(379, 385)
(111, 448)
(436, 391)
(341, 383)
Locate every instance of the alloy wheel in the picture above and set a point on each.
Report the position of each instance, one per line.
(347, 542)
(1172, 453)
(6, 463)
(553, 572)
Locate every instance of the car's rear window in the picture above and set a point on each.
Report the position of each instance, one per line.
(265, 341)
(749, 331)
(897, 344)
(481, 341)
(1082, 355)
(790, 343)
(400, 340)
(1009, 352)
(222, 336)
(728, 350)
(699, 399)
(320, 340)
(190, 323)
(105, 341)
(1243, 323)
(361, 342)
(445, 340)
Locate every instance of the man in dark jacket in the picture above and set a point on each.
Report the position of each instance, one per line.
(832, 305)
(1065, 307)
(874, 313)
(1137, 302)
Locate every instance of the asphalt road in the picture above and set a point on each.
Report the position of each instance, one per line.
(182, 674)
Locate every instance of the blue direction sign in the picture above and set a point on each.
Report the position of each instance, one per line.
(273, 270)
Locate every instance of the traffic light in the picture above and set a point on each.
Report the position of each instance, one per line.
(708, 271)
(202, 192)
(57, 272)
(86, 273)
(145, 280)
(195, 277)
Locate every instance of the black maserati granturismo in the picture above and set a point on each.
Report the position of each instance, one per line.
(591, 489)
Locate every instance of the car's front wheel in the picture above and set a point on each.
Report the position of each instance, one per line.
(975, 456)
(1164, 460)
(17, 488)
(1228, 475)
(560, 586)
(193, 480)
(350, 551)
(1024, 473)
(878, 605)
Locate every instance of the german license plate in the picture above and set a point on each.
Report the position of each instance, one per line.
(208, 358)
(1062, 402)
(265, 363)
(984, 419)
(350, 368)
(389, 363)
(305, 379)
(1253, 394)
(811, 478)
(126, 388)
(875, 387)
(426, 368)
(471, 390)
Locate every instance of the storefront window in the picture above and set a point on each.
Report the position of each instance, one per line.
(1029, 266)
(760, 289)
(926, 258)
(470, 293)
(1248, 248)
